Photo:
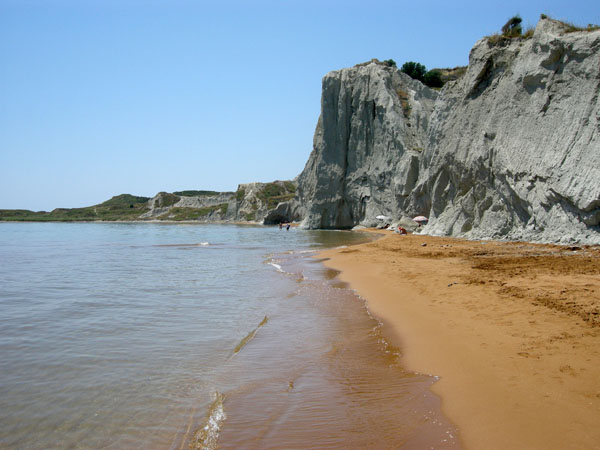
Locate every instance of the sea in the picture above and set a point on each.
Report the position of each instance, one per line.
(197, 336)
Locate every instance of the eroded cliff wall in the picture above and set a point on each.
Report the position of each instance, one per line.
(513, 148)
(510, 150)
(367, 146)
(252, 202)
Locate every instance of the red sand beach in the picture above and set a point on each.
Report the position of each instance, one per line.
(512, 329)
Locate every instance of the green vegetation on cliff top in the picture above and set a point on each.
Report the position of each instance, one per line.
(512, 29)
(99, 212)
(165, 199)
(274, 193)
(124, 200)
(119, 207)
(416, 70)
(130, 207)
(184, 213)
(192, 193)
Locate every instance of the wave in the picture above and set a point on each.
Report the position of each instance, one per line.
(207, 436)
(277, 266)
(249, 337)
(199, 244)
(302, 252)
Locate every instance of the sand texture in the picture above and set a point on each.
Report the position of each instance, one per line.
(512, 329)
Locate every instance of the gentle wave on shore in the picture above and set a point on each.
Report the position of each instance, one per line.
(141, 336)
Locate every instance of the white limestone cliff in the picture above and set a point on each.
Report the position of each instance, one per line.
(367, 146)
(252, 202)
(510, 150)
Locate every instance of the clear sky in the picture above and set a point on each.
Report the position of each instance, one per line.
(99, 98)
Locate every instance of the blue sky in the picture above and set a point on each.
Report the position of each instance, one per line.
(99, 98)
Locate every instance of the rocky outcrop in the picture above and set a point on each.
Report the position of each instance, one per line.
(367, 147)
(509, 150)
(252, 202)
(260, 201)
(219, 206)
(513, 148)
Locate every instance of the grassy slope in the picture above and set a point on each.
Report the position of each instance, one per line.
(120, 207)
(273, 193)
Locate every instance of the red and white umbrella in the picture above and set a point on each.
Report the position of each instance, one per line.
(420, 219)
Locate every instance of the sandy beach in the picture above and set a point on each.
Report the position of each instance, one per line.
(511, 328)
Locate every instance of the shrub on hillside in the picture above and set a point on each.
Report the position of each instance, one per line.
(194, 193)
(433, 79)
(513, 28)
(404, 101)
(240, 194)
(414, 70)
(165, 199)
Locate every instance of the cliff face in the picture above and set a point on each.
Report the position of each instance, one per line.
(510, 150)
(252, 202)
(513, 149)
(367, 146)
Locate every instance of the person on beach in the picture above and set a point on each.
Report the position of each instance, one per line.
(287, 227)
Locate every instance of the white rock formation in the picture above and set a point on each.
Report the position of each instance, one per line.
(367, 146)
(510, 150)
(252, 202)
(513, 148)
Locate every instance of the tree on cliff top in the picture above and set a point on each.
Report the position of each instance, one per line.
(433, 79)
(513, 28)
(414, 70)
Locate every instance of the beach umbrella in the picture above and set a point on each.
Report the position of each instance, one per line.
(381, 217)
(420, 219)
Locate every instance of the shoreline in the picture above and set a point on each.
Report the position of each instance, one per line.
(186, 222)
(511, 328)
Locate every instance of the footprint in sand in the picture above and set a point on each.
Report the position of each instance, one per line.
(567, 369)
(528, 355)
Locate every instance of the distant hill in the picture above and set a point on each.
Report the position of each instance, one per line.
(252, 202)
(125, 200)
(120, 207)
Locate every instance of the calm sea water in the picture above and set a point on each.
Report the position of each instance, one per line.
(143, 336)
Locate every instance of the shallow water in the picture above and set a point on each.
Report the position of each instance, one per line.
(175, 336)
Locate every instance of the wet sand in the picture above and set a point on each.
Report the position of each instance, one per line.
(319, 374)
(512, 329)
